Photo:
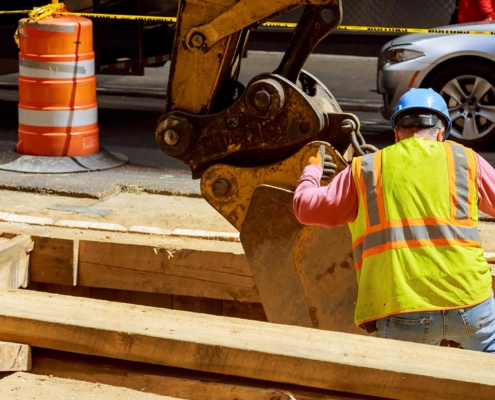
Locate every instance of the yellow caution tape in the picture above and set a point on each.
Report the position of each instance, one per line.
(15, 12)
(386, 29)
(52, 11)
(38, 13)
(121, 16)
(412, 30)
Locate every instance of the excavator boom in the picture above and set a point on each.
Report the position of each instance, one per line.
(249, 146)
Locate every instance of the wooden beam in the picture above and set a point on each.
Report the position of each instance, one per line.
(52, 260)
(186, 272)
(14, 262)
(226, 308)
(215, 270)
(14, 357)
(143, 264)
(25, 385)
(251, 349)
(167, 381)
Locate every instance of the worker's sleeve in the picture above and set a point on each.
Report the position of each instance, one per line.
(486, 186)
(332, 205)
(486, 9)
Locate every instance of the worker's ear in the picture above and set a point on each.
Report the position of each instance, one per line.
(440, 134)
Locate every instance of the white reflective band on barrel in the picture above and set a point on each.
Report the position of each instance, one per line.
(461, 181)
(56, 70)
(57, 119)
(368, 170)
(419, 232)
(50, 27)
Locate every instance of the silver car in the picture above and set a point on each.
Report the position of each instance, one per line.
(460, 67)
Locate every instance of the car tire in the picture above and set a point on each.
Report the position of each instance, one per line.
(469, 91)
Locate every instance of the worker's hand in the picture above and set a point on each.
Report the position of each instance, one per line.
(329, 167)
(324, 161)
(318, 158)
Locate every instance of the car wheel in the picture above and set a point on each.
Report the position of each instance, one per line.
(469, 91)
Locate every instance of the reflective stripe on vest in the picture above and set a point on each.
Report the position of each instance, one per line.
(461, 180)
(437, 231)
(368, 169)
(414, 236)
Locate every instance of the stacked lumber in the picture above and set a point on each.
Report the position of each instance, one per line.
(191, 275)
(279, 354)
(162, 350)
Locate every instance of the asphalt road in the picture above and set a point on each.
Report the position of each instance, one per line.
(127, 126)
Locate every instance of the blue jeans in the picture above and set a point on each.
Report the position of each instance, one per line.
(472, 327)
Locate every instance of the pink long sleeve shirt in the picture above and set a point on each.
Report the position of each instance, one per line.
(337, 203)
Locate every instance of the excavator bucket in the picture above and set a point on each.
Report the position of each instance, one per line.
(304, 274)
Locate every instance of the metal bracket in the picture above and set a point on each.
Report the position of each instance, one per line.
(229, 189)
(271, 120)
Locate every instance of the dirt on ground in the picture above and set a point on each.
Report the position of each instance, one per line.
(26, 386)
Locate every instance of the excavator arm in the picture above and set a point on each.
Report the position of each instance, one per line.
(249, 146)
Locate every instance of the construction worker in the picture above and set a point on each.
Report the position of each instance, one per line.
(412, 209)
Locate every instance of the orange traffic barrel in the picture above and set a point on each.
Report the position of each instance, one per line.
(57, 87)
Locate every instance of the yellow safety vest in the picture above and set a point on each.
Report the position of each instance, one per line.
(416, 243)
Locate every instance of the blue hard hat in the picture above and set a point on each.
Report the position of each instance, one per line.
(426, 99)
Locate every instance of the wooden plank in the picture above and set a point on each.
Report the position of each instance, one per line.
(251, 349)
(172, 242)
(186, 272)
(75, 261)
(14, 262)
(52, 260)
(25, 385)
(197, 268)
(235, 309)
(167, 381)
(14, 357)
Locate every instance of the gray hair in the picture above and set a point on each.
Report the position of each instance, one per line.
(427, 132)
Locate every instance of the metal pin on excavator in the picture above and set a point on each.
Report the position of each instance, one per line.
(249, 145)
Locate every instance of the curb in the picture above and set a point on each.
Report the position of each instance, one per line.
(109, 227)
(146, 230)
